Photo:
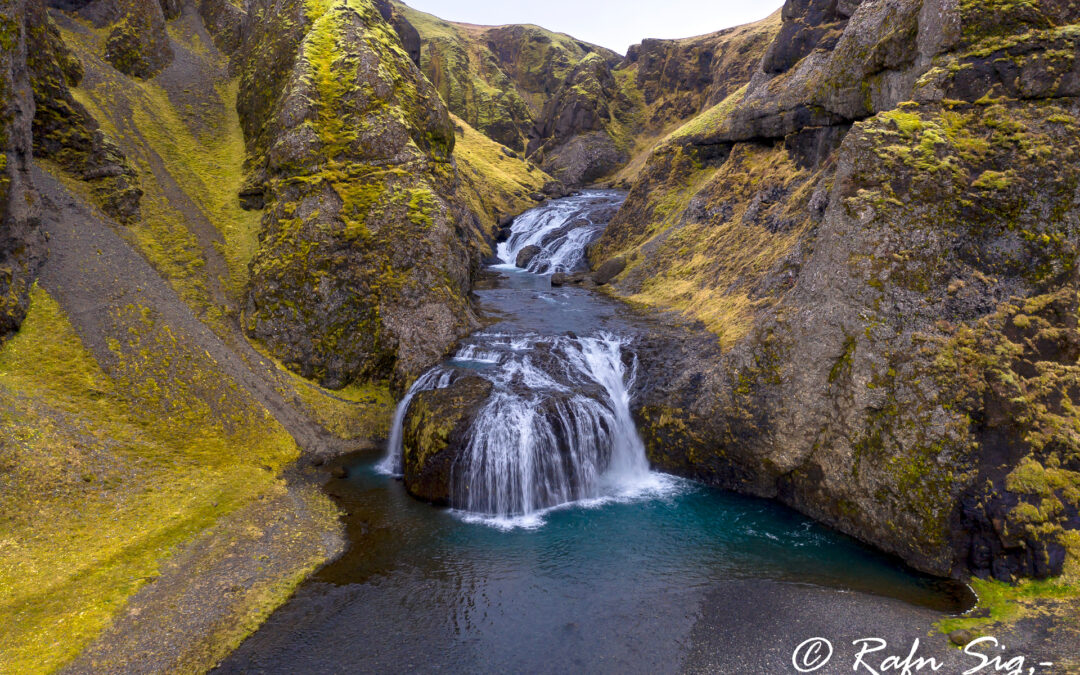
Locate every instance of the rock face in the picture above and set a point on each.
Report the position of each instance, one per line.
(138, 44)
(224, 21)
(526, 255)
(22, 246)
(882, 230)
(65, 132)
(407, 33)
(435, 433)
(542, 93)
(363, 269)
(678, 79)
(572, 107)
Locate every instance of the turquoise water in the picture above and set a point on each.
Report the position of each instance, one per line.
(610, 588)
(620, 585)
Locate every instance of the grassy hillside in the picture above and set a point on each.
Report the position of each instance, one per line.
(103, 478)
(496, 78)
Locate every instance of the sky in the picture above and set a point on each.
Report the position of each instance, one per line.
(615, 24)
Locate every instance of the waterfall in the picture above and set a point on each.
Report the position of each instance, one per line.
(556, 429)
(562, 230)
(436, 378)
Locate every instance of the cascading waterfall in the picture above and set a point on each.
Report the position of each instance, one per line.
(436, 378)
(562, 230)
(556, 429)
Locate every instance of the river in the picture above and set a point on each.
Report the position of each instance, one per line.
(563, 551)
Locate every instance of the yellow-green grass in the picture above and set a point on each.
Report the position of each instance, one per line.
(701, 267)
(98, 489)
(204, 159)
(360, 411)
(209, 168)
(1007, 603)
(493, 182)
(711, 120)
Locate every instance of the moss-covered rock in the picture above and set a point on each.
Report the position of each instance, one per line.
(224, 21)
(138, 44)
(678, 79)
(436, 433)
(364, 265)
(860, 258)
(64, 130)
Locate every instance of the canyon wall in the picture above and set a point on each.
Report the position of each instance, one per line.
(881, 231)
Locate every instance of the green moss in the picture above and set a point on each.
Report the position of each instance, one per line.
(842, 366)
(493, 184)
(1006, 604)
(711, 120)
(700, 260)
(993, 180)
(421, 205)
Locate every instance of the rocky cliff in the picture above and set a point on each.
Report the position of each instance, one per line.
(261, 216)
(540, 93)
(363, 267)
(580, 111)
(21, 242)
(679, 79)
(881, 231)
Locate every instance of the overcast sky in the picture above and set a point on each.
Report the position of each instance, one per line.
(615, 24)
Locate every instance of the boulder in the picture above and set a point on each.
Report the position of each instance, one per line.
(435, 433)
(138, 44)
(561, 279)
(609, 270)
(526, 255)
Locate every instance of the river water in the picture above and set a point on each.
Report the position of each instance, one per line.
(568, 554)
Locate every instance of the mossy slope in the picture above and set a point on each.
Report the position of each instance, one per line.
(543, 94)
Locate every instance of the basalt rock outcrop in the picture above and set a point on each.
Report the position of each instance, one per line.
(21, 241)
(882, 229)
(137, 44)
(364, 266)
(436, 433)
(678, 79)
(545, 94)
(65, 132)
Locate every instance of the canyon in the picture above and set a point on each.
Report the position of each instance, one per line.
(234, 235)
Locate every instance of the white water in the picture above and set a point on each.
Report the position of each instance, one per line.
(556, 429)
(562, 230)
(436, 378)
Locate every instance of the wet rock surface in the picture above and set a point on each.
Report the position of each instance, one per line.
(436, 432)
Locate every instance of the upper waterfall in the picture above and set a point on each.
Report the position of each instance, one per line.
(560, 230)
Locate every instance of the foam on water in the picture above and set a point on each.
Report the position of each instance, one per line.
(562, 229)
(555, 430)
